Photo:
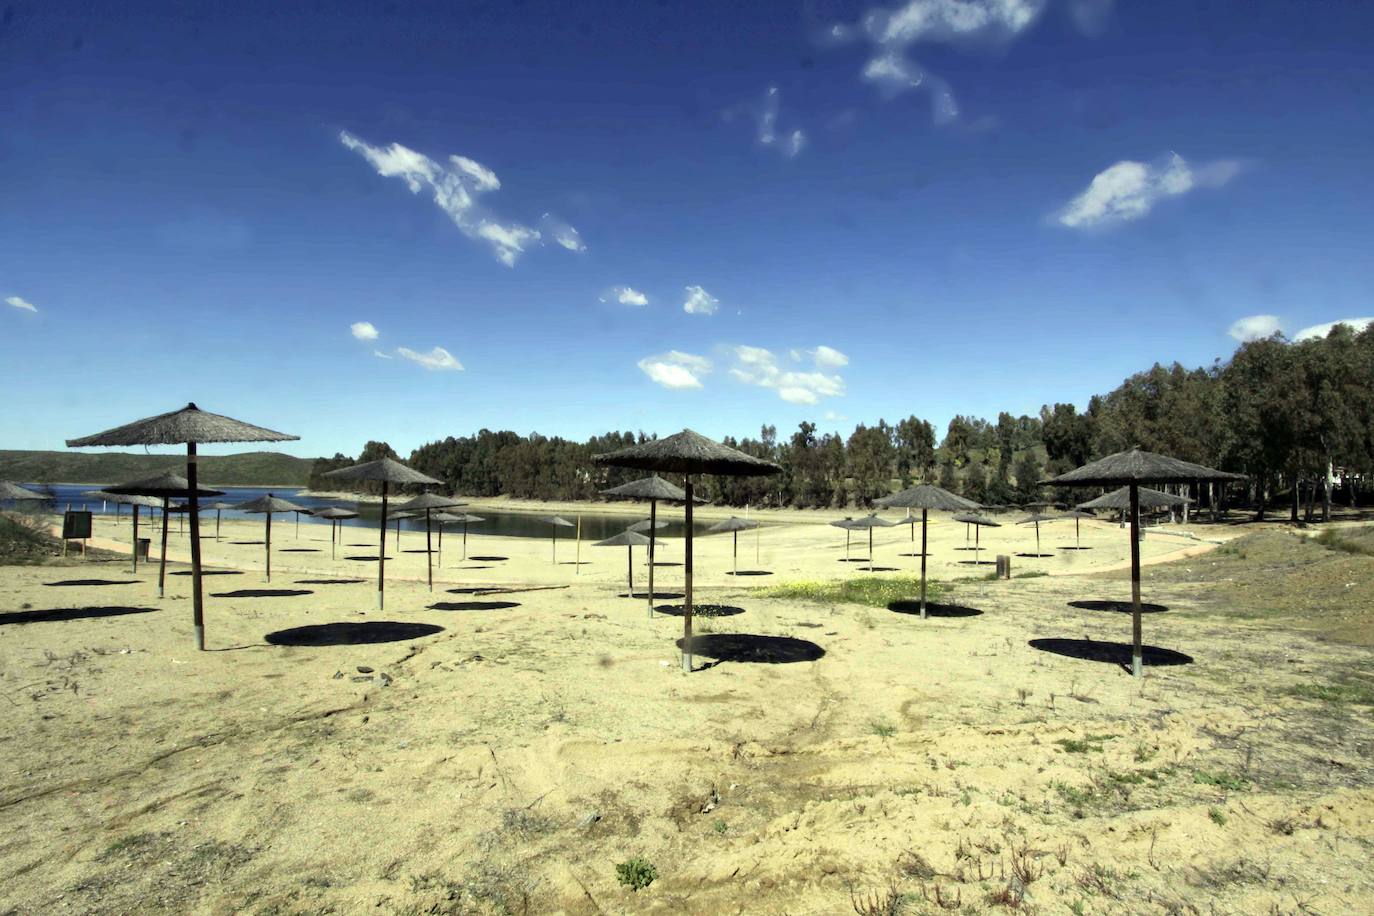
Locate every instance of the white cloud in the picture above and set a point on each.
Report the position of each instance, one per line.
(455, 187)
(833, 417)
(1321, 330)
(1128, 190)
(625, 295)
(380, 355)
(758, 366)
(1255, 327)
(20, 303)
(676, 369)
(436, 359)
(789, 143)
(829, 358)
(364, 330)
(700, 302)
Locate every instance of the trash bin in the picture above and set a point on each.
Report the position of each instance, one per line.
(144, 546)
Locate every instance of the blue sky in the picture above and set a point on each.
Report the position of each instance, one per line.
(832, 211)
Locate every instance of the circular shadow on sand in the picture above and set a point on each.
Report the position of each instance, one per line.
(746, 647)
(56, 615)
(329, 581)
(574, 562)
(750, 572)
(472, 567)
(1119, 607)
(92, 582)
(916, 553)
(300, 550)
(263, 593)
(878, 569)
(969, 549)
(665, 563)
(473, 605)
(664, 596)
(933, 609)
(363, 559)
(852, 560)
(700, 610)
(1075, 548)
(1112, 653)
(247, 543)
(417, 550)
(488, 559)
(977, 562)
(352, 634)
(208, 572)
(1035, 556)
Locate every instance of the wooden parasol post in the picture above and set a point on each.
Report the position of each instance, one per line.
(630, 569)
(1137, 665)
(465, 540)
(924, 516)
(736, 554)
(135, 537)
(687, 586)
(269, 542)
(381, 551)
(440, 556)
(193, 510)
(162, 563)
(653, 527)
(429, 546)
(577, 554)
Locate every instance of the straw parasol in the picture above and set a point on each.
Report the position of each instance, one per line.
(1077, 515)
(12, 492)
(847, 523)
(978, 522)
(467, 519)
(398, 517)
(190, 426)
(163, 487)
(630, 540)
(687, 453)
(1120, 498)
(1133, 468)
(335, 514)
(926, 497)
(386, 471)
(133, 502)
(557, 522)
(427, 503)
(267, 506)
(734, 525)
(652, 488)
(1035, 518)
(870, 522)
(219, 509)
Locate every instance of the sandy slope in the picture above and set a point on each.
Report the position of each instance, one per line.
(529, 737)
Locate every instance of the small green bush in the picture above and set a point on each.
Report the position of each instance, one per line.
(1227, 781)
(636, 874)
(870, 590)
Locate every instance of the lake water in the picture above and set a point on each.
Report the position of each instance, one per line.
(595, 526)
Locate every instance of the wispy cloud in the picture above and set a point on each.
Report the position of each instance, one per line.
(20, 303)
(759, 366)
(1254, 327)
(437, 359)
(364, 330)
(788, 142)
(675, 369)
(455, 187)
(1129, 190)
(380, 355)
(1321, 330)
(625, 295)
(824, 357)
(700, 302)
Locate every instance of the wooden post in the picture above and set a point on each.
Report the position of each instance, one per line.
(687, 587)
(465, 540)
(923, 562)
(217, 515)
(977, 544)
(269, 543)
(757, 561)
(381, 551)
(653, 539)
(298, 526)
(736, 555)
(333, 538)
(162, 567)
(577, 554)
(398, 535)
(630, 569)
(429, 545)
(440, 557)
(1137, 665)
(135, 537)
(193, 510)
(870, 548)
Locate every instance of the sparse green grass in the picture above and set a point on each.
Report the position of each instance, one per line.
(1348, 540)
(1229, 782)
(872, 591)
(1217, 816)
(636, 874)
(1360, 694)
(1030, 574)
(1084, 745)
(23, 543)
(882, 729)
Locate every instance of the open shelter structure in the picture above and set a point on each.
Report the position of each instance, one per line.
(926, 497)
(164, 487)
(1035, 518)
(653, 488)
(687, 453)
(630, 540)
(979, 522)
(134, 503)
(388, 472)
(557, 522)
(268, 506)
(427, 503)
(1133, 468)
(734, 524)
(336, 515)
(1077, 515)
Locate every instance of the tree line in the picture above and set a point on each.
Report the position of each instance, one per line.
(1286, 414)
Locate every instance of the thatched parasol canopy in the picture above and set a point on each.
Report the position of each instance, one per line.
(624, 539)
(687, 453)
(557, 521)
(1035, 518)
(267, 506)
(1133, 468)
(653, 487)
(427, 503)
(734, 524)
(10, 490)
(335, 515)
(125, 499)
(927, 496)
(645, 524)
(1076, 514)
(980, 520)
(163, 486)
(1149, 499)
(190, 426)
(387, 472)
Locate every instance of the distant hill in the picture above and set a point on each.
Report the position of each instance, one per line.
(247, 469)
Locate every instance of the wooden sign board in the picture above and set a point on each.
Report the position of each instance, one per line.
(76, 526)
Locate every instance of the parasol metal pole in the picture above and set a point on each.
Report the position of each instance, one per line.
(193, 510)
(162, 562)
(923, 562)
(429, 545)
(687, 588)
(653, 539)
(381, 552)
(1137, 665)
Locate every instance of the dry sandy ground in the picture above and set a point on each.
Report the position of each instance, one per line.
(528, 729)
